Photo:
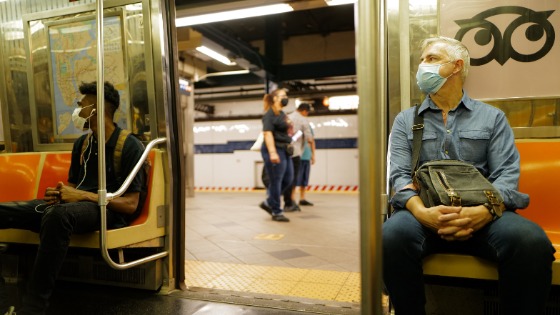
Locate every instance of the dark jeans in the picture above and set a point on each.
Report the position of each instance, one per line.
(520, 248)
(55, 226)
(280, 177)
(288, 202)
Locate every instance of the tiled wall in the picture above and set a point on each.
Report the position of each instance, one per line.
(223, 158)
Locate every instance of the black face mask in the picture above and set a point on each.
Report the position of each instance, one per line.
(284, 102)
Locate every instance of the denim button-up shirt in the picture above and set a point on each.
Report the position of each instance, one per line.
(475, 132)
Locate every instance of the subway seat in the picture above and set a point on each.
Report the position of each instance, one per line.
(540, 170)
(26, 176)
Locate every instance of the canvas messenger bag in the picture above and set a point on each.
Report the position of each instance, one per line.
(451, 182)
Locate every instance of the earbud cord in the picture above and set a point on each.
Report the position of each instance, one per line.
(86, 161)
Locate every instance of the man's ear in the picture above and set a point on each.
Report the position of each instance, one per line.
(461, 64)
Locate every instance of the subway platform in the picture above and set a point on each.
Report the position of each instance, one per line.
(234, 246)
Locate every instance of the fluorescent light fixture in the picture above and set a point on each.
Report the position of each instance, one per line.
(134, 7)
(234, 72)
(215, 55)
(217, 74)
(233, 15)
(344, 102)
(339, 2)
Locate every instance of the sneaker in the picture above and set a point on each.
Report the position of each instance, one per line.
(265, 207)
(280, 218)
(292, 208)
(304, 202)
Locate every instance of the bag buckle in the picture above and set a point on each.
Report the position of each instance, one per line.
(494, 201)
(454, 198)
(491, 198)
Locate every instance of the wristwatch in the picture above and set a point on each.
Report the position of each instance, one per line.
(495, 210)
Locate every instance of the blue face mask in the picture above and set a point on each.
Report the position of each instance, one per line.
(428, 78)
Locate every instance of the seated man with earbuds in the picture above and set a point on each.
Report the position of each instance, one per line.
(72, 208)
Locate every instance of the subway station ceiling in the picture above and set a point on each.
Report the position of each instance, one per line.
(307, 49)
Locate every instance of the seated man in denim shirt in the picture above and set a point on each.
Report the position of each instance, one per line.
(458, 127)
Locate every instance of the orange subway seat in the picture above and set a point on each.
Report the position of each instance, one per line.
(55, 169)
(20, 176)
(146, 208)
(540, 169)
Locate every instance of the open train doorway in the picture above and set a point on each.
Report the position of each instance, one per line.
(232, 246)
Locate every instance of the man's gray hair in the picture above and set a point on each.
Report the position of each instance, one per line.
(455, 50)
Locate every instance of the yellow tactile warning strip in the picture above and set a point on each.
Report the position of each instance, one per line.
(327, 285)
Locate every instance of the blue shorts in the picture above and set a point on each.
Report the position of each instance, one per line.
(303, 174)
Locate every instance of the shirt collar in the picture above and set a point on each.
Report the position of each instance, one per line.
(429, 104)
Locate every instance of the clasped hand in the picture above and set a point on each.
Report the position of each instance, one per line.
(61, 193)
(457, 223)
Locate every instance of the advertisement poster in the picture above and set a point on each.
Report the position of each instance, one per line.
(514, 45)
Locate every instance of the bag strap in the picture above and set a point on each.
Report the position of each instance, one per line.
(117, 155)
(417, 131)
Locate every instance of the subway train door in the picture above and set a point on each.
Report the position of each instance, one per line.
(50, 52)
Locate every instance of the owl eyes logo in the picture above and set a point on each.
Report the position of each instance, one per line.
(503, 49)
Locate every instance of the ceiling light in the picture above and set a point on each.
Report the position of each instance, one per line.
(217, 74)
(339, 2)
(215, 55)
(344, 102)
(233, 15)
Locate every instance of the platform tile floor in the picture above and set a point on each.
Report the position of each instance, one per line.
(232, 244)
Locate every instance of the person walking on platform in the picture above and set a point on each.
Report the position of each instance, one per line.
(276, 152)
(307, 159)
(458, 127)
(302, 136)
(72, 208)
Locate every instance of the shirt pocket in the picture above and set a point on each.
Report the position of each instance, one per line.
(473, 145)
(430, 146)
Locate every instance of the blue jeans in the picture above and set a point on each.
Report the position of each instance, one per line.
(287, 193)
(521, 249)
(55, 226)
(280, 175)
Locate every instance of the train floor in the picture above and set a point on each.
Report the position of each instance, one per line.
(239, 261)
(86, 299)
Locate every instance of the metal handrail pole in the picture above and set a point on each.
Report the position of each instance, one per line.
(102, 184)
(371, 68)
(103, 234)
(102, 189)
(136, 169)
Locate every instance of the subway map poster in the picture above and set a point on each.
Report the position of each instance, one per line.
(73, 60)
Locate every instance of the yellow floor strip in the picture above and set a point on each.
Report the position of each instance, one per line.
(308, 283)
